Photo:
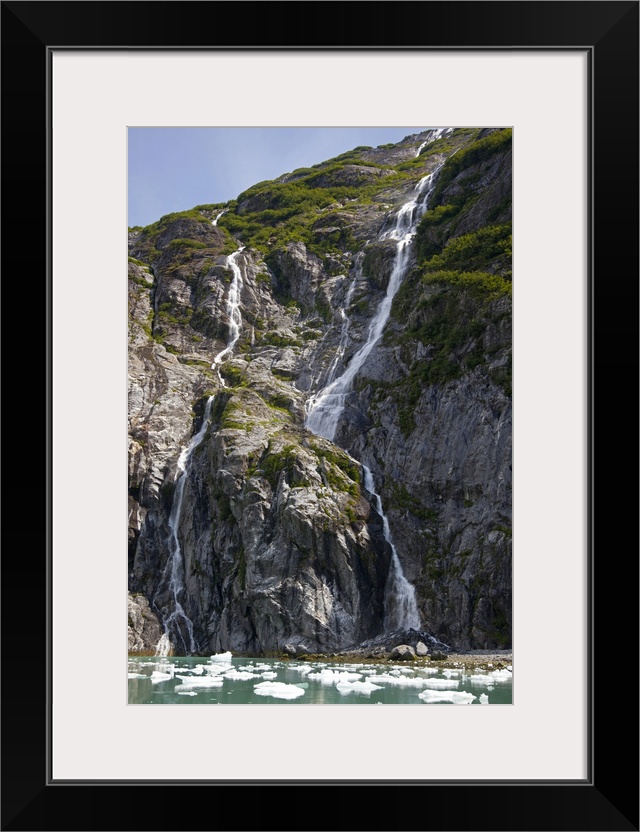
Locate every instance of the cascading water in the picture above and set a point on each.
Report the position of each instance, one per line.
(325, 407)
(178, 622)
(331, 373)
(400, 607)
(217, 217)
(233, 311)
(438, 133)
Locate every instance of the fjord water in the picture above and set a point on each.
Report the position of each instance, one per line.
(233, 681)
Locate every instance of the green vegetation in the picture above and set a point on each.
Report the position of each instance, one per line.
(341, 473)
(480, 261)
(501, 376)
(274, 463)
(481, 283)
(139, 263)
(402, 499)
(234, 376)
(281, 401)
(183, 242)
(283, 375)
(478, 151)
(490, 245)
(439, 213)
(167, 219)
(449, 313)
(273, 213)
(229, 419)
(171, 313)
(349, 467)
(274, 339)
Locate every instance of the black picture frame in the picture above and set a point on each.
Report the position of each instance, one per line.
(608, 798)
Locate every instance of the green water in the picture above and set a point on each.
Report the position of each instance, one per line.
(156, 681)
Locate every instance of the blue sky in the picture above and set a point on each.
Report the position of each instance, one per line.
(175, 168)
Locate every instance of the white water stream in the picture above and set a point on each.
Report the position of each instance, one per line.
(178, 622)
(325, 407)
(233, 311)
(438, 133)
(400, 607)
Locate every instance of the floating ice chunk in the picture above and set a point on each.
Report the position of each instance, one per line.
(441, 684)
(221, 657)
(480, 679)
(263, 667)
(483, 699)
(509, 667)
(269, 674)
(366, 688)
(332, 677)
(279, 690)
(449, 673)
(496, 676)
(199, 668)
(217, 669)
(399, 681)
(454, 696)
(157, 676)
(239, 675)
(205, 683)
(502, 675)
(185, 692)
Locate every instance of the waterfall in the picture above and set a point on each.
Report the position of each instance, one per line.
(438, 133)
(215, 221)
(325, 407)
(331, 373)
(233, 311)
(400, 607)
(173, 576)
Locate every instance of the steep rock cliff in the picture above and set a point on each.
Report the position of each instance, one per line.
(279, 541)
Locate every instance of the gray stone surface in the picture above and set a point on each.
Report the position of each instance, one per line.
(281, 547)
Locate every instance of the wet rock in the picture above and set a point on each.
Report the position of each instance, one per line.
(144, 628)
(279, 543)
(403, 653)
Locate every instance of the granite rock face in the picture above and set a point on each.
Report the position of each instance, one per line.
(280, 545)
(145, 629)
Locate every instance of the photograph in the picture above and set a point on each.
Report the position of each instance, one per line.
(319, 365)
(315, 449)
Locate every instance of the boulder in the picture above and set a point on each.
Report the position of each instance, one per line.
(403, 653)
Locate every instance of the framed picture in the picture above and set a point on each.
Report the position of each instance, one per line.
(565, 76)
